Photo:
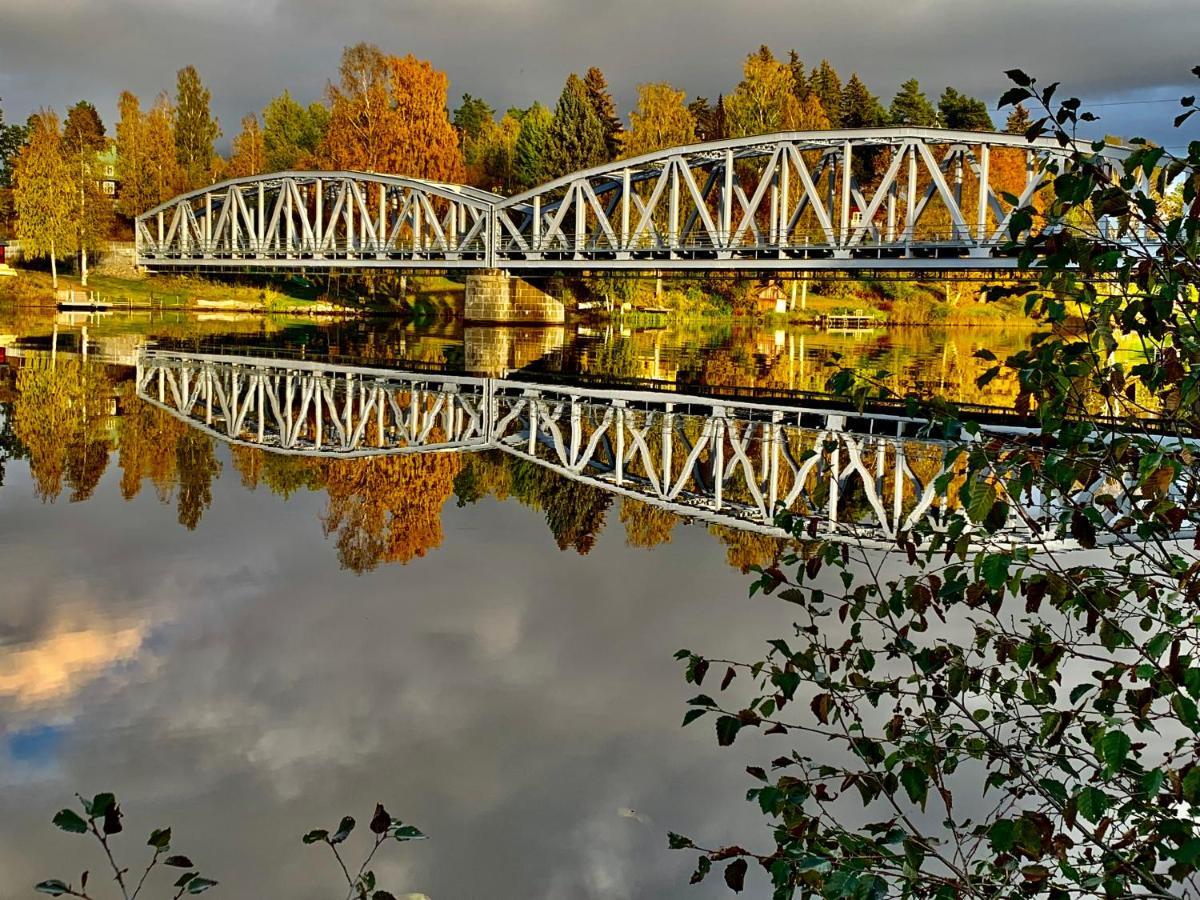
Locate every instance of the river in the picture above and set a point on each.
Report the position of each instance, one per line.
(247, 644)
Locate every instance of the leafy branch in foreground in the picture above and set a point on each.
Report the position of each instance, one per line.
(102, 819)
(1004, 704)
(383, 827)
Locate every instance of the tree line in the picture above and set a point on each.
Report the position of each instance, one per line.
(390, 114)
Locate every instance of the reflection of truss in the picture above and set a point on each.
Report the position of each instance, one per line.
(313, 410)
(870, 478)
(878, 198)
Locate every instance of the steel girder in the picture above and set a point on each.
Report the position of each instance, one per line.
(865, 478)
(319, 220)
(874, 198)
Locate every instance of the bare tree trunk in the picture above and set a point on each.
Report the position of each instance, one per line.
(53, 267)
(83, 266)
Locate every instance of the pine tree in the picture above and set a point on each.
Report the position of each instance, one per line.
(826, 84)
(1019, 120)
(799, 78)
(910, 106)
(12, 137)
(43, 193)
(576, 132)
(963, 113)
(530, 164)
(195, 128)
(860, 108)
(605, 109)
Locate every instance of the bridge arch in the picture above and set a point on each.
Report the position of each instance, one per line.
(852, 198)
(869, 198)
(319, 219)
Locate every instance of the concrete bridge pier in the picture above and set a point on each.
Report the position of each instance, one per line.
(494, 295)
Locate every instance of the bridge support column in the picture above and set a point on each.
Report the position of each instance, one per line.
(494, 295)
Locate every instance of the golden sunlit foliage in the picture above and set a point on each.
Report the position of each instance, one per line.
(388, 114)
(661, 119)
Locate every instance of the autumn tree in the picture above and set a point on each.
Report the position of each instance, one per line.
(167, 177)
(388, 114)
(963, 113)
(576, 139)
(497, 152)
(709, 118)
(660, 119)
(196, 464)
(1018, 121)
(83, 138)
(195, 128)
(249, 152)
(44, 193)
(646, 525)
(292, 133)
(532, 148)
(764, 100)
(135, 191)
(605, 108)
(910, 106)
(827, 86)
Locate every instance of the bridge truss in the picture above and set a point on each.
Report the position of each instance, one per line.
(875, 198)
(320, 220)
(865, 478)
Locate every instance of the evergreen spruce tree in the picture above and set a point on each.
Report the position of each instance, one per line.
(605, 109)
(1018, 120)
(532, 147)
(910, 106)
(827, 86)
(963, 113)
(576, 132)
(860, 108)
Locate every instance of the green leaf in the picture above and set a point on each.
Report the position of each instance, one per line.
(69, 820)
(994, 569)
(678, 841)
(692, 715)
(199, 885)
(318, 834)
(1002, 834)
(983, 495)
(185, 878)
(916, 784)
(51, 886)
(179, 862)
(727, 729)
(1115, 747)
(1092, 803)
(344, 828)
(160, 838)
(408, 833)
(101, 804)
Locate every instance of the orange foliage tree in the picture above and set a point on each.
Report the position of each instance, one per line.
(387, 509)
(388, 114)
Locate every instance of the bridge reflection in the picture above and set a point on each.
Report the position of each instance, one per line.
(726, 462)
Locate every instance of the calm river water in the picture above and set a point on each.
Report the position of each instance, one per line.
(246, 645)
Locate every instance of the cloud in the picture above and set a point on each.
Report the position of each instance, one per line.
(511, 53)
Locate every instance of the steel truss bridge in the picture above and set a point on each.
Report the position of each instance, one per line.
(878, 198)
(863, 478)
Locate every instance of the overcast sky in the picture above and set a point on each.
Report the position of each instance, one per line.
(515, 51)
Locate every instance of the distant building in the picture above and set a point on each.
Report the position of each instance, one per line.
(106, 170)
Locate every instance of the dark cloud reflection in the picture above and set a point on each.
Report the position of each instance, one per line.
(515, 701)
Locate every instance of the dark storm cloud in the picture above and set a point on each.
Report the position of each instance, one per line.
(515, 51)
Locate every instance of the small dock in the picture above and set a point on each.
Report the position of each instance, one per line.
(71, 299)
(856, 321)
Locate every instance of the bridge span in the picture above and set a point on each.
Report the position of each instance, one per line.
(874, 198)
(867, 478)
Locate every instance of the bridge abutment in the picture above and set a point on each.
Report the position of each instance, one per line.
(494, 295)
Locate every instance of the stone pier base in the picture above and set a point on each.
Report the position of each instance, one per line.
(495, 351)
(494, 295)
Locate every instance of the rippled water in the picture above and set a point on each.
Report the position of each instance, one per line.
(246, 645)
